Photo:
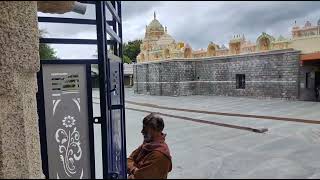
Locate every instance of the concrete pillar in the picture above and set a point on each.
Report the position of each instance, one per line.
(19, 62)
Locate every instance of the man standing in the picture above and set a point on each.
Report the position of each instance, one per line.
(151, 160)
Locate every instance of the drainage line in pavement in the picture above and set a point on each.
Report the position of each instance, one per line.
(228, 114)
(205, 122)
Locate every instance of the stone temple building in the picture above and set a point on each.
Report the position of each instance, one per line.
(159, 45)
(270, 67)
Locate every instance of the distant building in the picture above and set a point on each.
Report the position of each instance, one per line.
(159, 45)
(269, 67)
(128, 74)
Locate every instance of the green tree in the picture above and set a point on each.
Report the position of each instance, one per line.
(131, 50)
(45, 51)
(126, 59)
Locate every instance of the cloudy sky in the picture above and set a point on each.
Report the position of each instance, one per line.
(196, 23)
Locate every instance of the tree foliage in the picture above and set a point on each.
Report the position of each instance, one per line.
(126, 59)
(131, 50)
(45, 51)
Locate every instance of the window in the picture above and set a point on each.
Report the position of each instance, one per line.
(241, 81)
(307, 80)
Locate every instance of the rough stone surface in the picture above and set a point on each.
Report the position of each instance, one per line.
(58, 7)
(19, 62)
(273, 74)
(19, 40)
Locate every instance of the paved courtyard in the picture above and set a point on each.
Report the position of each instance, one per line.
(287, 150)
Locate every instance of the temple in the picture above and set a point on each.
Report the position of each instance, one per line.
(159, 45)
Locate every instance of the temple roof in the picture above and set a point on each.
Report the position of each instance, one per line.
(281, 38)
(223, 47)
(155, 25)
(248, 44)
(265, 35)
(237, 38)
(165, 39)
(199, 51)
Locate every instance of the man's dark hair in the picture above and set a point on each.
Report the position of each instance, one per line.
(154, 121)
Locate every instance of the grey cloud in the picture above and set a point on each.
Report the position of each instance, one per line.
(270, 14)
(198, 23)
(249, 18)
(136, 8)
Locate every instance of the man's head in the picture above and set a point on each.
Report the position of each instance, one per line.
(153, 126)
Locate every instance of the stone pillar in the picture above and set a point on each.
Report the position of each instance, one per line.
(19, 61)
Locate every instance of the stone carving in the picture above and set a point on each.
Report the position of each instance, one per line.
(264, 42)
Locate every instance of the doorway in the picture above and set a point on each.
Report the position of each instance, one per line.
(317, 84)
(317, 78)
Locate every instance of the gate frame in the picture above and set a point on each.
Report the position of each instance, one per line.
(102, 29)
(42, 117)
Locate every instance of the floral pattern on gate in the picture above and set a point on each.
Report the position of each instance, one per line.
(68, 139)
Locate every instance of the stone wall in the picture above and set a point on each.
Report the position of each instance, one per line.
(19, 62)
(273, 74)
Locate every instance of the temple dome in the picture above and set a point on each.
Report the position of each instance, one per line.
(165, 40)
(155, 25)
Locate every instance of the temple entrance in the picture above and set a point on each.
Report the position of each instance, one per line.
(317, 84)
(317, 78)
(71, 134)
(310, 77)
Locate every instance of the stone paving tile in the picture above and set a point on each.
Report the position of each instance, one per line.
(279, 168)
(240, 163)
(270, 107)
(287, 150)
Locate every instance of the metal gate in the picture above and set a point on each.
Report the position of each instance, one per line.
(65, 108)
